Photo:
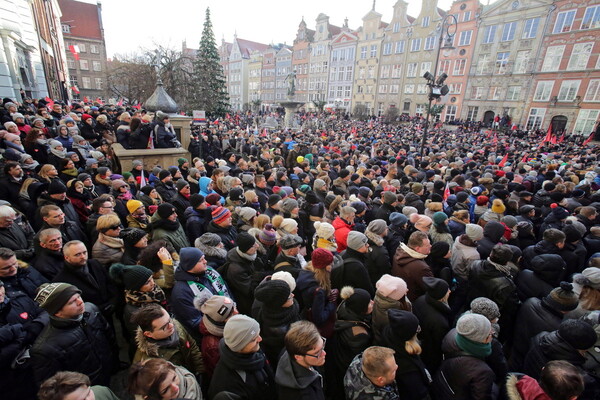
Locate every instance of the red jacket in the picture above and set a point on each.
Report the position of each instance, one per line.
(210, 350)
(342, 229)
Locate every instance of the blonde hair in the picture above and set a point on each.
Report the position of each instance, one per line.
(23, 191)
(106, 221)
(261, 220)
(101, 118)
(413, 346)
(124, 115)
(322, 276)
(589, 299)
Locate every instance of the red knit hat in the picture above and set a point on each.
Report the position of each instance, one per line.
(321, 258)
(220, 214)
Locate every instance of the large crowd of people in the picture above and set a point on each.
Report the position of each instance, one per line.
(337, 261)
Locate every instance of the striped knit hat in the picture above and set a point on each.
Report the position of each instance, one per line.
(220, 214)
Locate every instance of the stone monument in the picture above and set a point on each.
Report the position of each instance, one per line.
(290, 105)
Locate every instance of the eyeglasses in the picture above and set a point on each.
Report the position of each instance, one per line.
(165, 327)
(116, 227)
(320, 353)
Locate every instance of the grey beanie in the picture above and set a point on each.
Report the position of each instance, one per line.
(509, 221)
(485, 307)
(288, 205)
(474, 327)
(389, 197)
(319, 184)
(474, 232)
(377, 226)
(398, 219)
(239, 331)
(356, 240)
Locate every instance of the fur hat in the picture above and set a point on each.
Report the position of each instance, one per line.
(474, 327)
(324, 229)
(391, 286)
(321, 258)
(240, 330)
(356, 240)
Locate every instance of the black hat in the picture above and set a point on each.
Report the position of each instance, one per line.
(132, 235)
(435, 287)
(181, 183)
(196, 200)
(163, 174)
(358, 302)
(344, 173)
(53, 296)
(579, 334)
(572, 234)
(236, 194)
(273, 293)
(311, 197)
(403, 325)
(56, 186)
(131, 277)
(273, 199)
(165, 210)
(526, 209)
(245, 241)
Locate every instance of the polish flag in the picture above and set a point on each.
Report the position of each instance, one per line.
(589, 139)
(503, 161)
(74, 49)
(75, 89)
(446, 191)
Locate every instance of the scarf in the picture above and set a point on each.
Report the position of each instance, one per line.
(165, 224)
(170, 342)
(70, 171)
(246, 256)
(115, 243)
(479, 350)
(216, 281)
(253, 362)
(411, 252)
(505, 269)
(274, 316)
(125, 196)
(375, 238)
(140, 299)
(59, 153)
(43, 142)
(30, 167)
(326, 244)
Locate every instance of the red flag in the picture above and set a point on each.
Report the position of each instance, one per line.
(49, 102)
(553, 139)
(86, 99)
(589, 139)
(75, 89)
(495, 141)
(562, 138)
(524, 159)
(74, 49)
(99, 101)
(446, 191)
(503, 161)
(120, 102)
(548, 134)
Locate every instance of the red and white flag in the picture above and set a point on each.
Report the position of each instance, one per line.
(446, 191)
(503, 161)
(74, 49)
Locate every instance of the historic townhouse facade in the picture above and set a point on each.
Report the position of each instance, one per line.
(239, 60)
(283, 68)
(224, 51)
(300, 60)
(566, 92)
(503, 67)
(254, 78)
(341, 69)
(370, 36)
(318, 66)
(267, 83)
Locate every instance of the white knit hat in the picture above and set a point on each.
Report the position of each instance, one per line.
(324, 229)
(391, 286)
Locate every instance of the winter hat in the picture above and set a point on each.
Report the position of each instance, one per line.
(461, 197)
(136, 163)
(288, 224)
(526, 209)
(485, 307)
(16, 116)
(391, 286)
(173, 170)
(439, 218)
(377, 226)
(215, 309)
(321, 258)
(389, 197)
(435, 287)
(589, 277)
(268, 236)
(509, 221)
(273, 293)
(163, 174)
(245, 242)
(403, 325)
(417, 188)
(85, 117)
(56, 187)
(562, 298)
(132, 277)
(181, 161)
(356, 299)
(288, 205)
(273, 199)
(240, 330)
(560, 213)
(208, 239)
(577, 333)
(398, 219)
(286, 277)
(572, 234)
(220, 214)
(53, 296)
(324, 229)
(236, 194)
(474, 232)
(147, 189)
(213, 199)
(311, 197)
(364, 191)
(474, 327)
(189, 257)
(358, 206)
(319, 184)
(165, 210)
(132, 235)
(356, 240)
(196, 200)
(290, 241)
(133, 205)
(181, 184)
(476, 191)
(247, 213)
(498, 206)
(482, 200)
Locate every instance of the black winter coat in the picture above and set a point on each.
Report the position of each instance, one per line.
(27, 280)
(434, 319)
(492, 232)
(377, 261)
(242, 278)
(548, 346)
(352, 336)
(352, 273)
(541, 247)
(228, 235)
(48, 263)
(295, 382)
(166, 190)
(71, 345)
(545, 274)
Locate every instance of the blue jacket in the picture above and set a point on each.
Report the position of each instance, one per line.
(182, 296)
(203, 183)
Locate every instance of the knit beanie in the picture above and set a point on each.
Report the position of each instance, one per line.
(209, 239)
(359, 206)
(461, 197)
(562, 298)
(572, 234)
(165, 210)
(474, 327)
(321, 258)
(417, 188)
(189, 257)
(131, 236)
(196, 200)
(273, 199)
(53, 296)
(181, 161)
(577, 333)
(213, 199)
(357, 300)
(324, 229)
(163, 174)
(273, 293)
(319, 184)
(391, 286)
(133, 205)
(286, 277)
(215, 309)
(389, 197)
(509, 221)
(240, 330)
(247, 213)
(136, 163)
(485, 307)
(245, 242)
(181, 183)
(356, 240)
(131, 277)
(364, 191)
(377, 226)
(288, 205)
(482, 200)
(498, 206)
(435, 287)
(403, 325)
(398, 219)
(439, 218)
(267, 236)
(290, 241)
(83, 176)
(474, 232)
(236, 194)
(560, 213)
(220, 214)
(56, 187)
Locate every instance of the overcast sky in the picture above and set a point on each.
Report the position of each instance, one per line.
(130, 24)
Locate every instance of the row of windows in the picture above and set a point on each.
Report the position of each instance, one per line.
(565, 21)
(82, 47)
(509, 30)
(84, 65)
(578, 60)
(586, 119)
(568, 90)
(86, 83)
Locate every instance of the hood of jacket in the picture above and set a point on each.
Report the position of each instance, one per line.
(548, 267)
(292, 375)
(524, 388)
(556, 348)
(306, 280)
(203, 184)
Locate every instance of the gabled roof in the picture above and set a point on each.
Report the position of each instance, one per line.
(333, 30)
(247, 47)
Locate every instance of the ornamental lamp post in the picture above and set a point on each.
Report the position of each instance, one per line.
(437, 89)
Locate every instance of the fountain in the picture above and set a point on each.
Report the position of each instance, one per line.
(290, 105)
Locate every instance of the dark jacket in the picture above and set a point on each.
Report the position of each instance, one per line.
(26, 280)
(412, 270)
(295, 382)
(195, 223)
(18, 238)
(248, 376)
(49, 263)
(314, 303)
(242, 278)
(288, 264)
(72, 345)
(228, 235)
(167, 190)
(384, 212)
(434, 319)
(181, 204)
(377, 261)
(545, 274)
(548, 346)
(541, 247)
(164, 136)
(492, 232)
(352, 273)
(467, 376)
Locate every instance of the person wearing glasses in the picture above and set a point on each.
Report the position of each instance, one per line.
(109, 247)
(297, 376)
(159, 335)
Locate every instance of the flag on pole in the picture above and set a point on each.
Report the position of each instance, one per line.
(446, 191)
(120, 102)
(562, 138)
(548, 134)
(524, 159)
(75, 89)
(589, 139)
(553, 139)
(142, 179)
(503, 161)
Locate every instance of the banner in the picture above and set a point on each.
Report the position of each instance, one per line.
(199, 117)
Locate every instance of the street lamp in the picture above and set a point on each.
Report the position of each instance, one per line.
(437, 89)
